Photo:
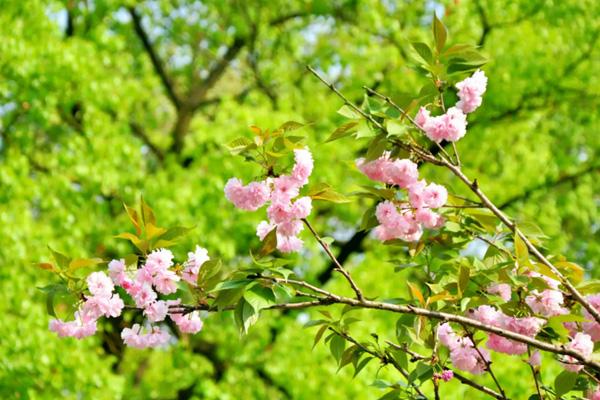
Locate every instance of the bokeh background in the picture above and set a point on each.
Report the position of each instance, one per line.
(102, 101)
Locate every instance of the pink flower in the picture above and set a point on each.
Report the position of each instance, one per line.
(192, 266)
(109, 306)
(528, 326)
(144, 296)
(402, 172)
(387, 214)
(591, 327)
(581, 343)
(290, 228)
(422, 116)
(397, 172)
(548, 303)
(376, 169)
(447, 375)
(470, 91)
(100, 284)
(160, 259)
(450, 126)
(279, 212)
(157, 311)
(134, 338)
(467, 358)
(285, 188)
(188, 323)
(303, 167)
(302, 207)
(428, 218)
(435, 195)
(535, 360)
(446, 336)
(165, 281)
(288, 244)
(416, 194)
(116, 270)
(501, 289)
(250, 197)
(79, 328)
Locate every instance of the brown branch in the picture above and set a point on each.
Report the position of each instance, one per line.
(139, 132)
(338, 266)
(154, 58)
(481, 388)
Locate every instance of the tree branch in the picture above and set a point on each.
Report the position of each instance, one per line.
(156, 62)
(138, 131)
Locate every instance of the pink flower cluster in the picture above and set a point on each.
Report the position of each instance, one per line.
(286, 211)
(404, 220)
(501, 289)
(452, 125)
(446, 375)
(144, 285)
(470, 91)
(548, 302)
(463, 353)
(528, 326)
(101, 302)
(581, 343)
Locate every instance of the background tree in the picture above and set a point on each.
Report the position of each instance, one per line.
(103, 101)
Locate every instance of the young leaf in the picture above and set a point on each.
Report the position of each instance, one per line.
(290, 126)
(269, 244)
(424, 51)
(416, 293)
(245, 316)
(342, 131)
(259, 297)
(439, 33)
(564, 382)
(134, 217)
(61, 260)
(337, 346)
(147, 213)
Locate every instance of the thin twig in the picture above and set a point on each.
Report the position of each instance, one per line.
(338, 266)
(488, 363)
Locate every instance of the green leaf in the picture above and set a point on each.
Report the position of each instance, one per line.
(61, 260)
(361, 365)
(245, 316)
(240, 145)
(439, 33)
(259, 297)
(564, 382)
(153, 231)
(83, 263)
(349, 112)
(424, 51)
(323, 191)
(463, 278)
(342, 131)
(232, 284)
(521, 251)
(147, 213)
(337, 346)
(319, 334)
(134, 217)
(291, 126)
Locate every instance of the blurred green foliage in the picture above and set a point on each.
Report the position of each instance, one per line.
(87, 122)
